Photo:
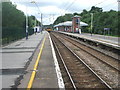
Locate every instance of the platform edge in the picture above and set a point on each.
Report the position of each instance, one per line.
(57, 68)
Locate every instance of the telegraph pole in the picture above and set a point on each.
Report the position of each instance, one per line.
(91, 22)
(35, 21)
(26, 24)
(41, 23)
(39, 11)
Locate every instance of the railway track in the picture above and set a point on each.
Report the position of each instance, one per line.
(109, 60)
(110, 64)
(76, 73)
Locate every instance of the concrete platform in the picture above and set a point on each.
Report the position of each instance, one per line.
(15, 57)
(48, 74)
(105, 40)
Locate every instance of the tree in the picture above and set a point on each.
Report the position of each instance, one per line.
(66, 17)
(101, 20)
(95, 9)
(75, 14)
(13, 23)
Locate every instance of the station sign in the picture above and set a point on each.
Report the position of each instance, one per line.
(106, 28)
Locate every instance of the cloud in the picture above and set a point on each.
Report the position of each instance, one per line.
(40, 3)
(60, 7)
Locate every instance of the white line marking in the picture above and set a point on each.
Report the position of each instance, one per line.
(57, 68)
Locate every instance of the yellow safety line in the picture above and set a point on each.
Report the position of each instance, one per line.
(35, 67)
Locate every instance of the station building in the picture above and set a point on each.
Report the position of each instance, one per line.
(37, 29)
(71, 26)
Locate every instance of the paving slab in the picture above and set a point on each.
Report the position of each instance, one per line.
(15, 56)
(15, 60)
(7, 80)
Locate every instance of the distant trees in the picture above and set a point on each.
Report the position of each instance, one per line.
(95, 9)
(13, 23)
(66, 17)
(101, 20)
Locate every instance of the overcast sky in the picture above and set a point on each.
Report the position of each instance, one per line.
(51, 9)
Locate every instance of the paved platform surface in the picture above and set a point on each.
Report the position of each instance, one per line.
(46, 75)
(15, 56)
(107, 40)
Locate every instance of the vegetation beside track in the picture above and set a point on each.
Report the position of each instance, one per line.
(101, 19)
(14, 23)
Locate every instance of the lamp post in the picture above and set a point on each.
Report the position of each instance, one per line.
(41, 22)
(26, 24)
(91, 22)
(38, 13)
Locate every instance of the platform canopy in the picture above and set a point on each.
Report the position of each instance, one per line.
(69, 23)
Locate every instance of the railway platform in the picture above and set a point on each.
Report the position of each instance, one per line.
(31, 63)
(99, 39)
(43, 72)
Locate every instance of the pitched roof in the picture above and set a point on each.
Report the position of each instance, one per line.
(69, 23)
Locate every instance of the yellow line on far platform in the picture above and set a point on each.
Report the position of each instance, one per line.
(35, 66)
